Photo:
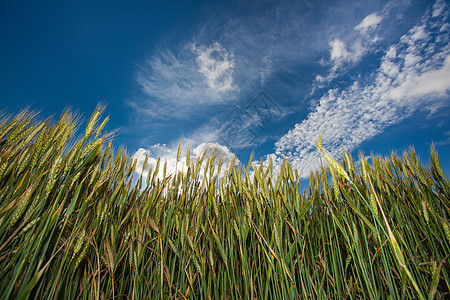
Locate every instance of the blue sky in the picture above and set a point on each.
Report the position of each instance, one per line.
(241, 76)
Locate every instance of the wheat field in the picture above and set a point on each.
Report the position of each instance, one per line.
(77, 222)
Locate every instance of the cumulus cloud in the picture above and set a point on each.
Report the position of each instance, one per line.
(168, 157)
(413, 74)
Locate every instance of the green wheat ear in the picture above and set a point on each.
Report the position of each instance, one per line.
(188, 157)
(179, 152)
(93, 120)
(319, 144)
(331, 161)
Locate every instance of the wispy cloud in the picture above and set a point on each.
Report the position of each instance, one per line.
(413, 74)
(445, 141)
(233, 54)
(176, 85)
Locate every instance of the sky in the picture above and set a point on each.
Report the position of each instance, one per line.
(242, 77)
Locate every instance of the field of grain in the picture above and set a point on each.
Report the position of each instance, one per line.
(75, 223)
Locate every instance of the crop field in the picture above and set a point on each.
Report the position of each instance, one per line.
(76, 222)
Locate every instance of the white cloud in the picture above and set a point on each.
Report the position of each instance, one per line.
(411, 59)
(439, 7)
(389, 68)
(340, 55)
(368, 23)
(419, 33)
(431, 82)
(339, 52)
(413, 74)
(168, 156)
(223, 153)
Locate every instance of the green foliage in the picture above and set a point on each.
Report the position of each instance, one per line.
(75, 224)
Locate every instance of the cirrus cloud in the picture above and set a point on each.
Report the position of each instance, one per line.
(176, 85)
